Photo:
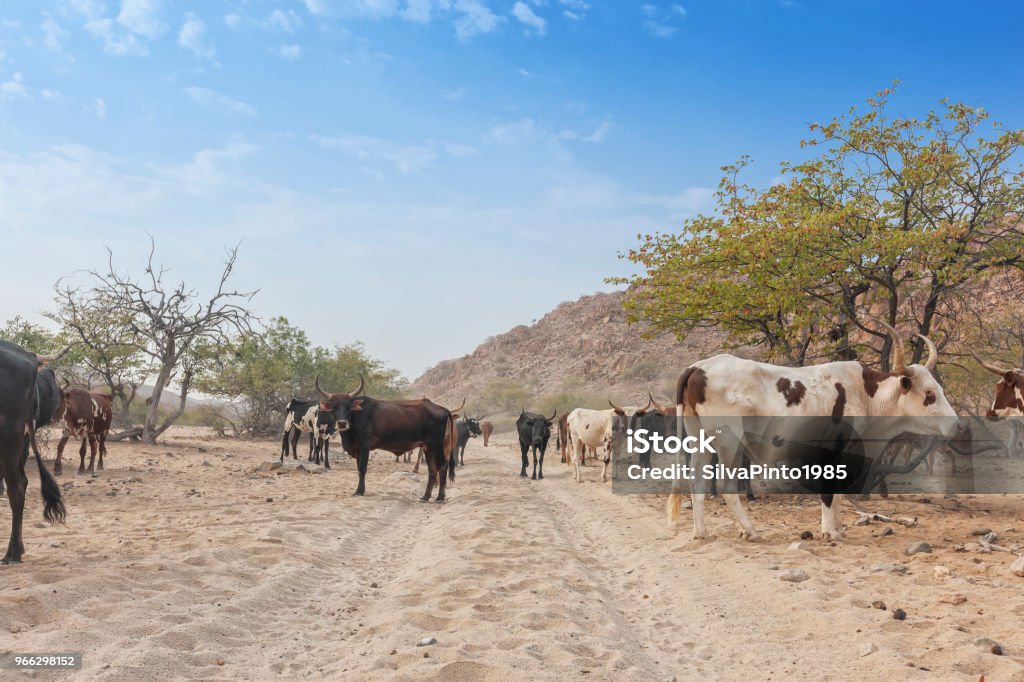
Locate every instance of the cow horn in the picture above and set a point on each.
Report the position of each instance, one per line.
(318, 388)
(614, 406)
(658, 407)
(66, 386)
(552, 417)
(899, 362)
(458, 409)
(43, 359)
(933, 353)
(650, 401)
(358, 388)
(995, 369)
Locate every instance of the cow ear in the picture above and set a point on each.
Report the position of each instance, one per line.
(906, 383)
(356, 405)
(529, 422)
(1009, 377)
(620, 413)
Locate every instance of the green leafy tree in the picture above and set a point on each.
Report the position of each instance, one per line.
(894, 217)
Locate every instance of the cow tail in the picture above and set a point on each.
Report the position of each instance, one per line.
(53, 509)
(450, 438)
(674, 505)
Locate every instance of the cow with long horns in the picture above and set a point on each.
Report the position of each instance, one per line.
(534, 433)
(1009, 402)
(593, 429)
(395, 426)
(716, 394)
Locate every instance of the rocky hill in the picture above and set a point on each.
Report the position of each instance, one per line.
(583, 349)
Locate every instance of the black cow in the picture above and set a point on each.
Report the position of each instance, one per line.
(20, 412)
(466, 428)
(534, 432)
(299, 417)
(395, 426)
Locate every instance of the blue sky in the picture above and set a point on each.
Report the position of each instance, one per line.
(422, 174)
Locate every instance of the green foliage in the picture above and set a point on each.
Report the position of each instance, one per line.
(894, 217)
(647, 369)
(263, 371)
(29, 336)
(504, 395)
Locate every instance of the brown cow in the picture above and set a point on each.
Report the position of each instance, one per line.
(86, 416)
(395, 426)
(1009, 402)
(487, 428)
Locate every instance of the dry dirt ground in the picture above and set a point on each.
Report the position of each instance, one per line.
(185, 560)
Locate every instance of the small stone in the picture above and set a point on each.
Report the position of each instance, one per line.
(996, 649)
(220, 661)
(917, 548)
(889, 567)
(941, 572)
(206, 464)
(868, 648)
(960, 548)
(426, 641)
(989, 537)
(862, 521)
(393, 652)
(878, 604)
(886, 531)
(773, 567)
(794, 575)
(952, 598)
(798, 545)
(981, 531)
(1017, 567)
(426, 655)
(373, 584)
(806, 535)
(899, 614)
(270, 499)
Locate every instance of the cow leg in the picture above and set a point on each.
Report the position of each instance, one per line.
(17, 484)
(831, 518)
(577, 455)
(419, 456)
(431, 476)
(462, 456)
(284, 445)
(58, 468)
(295, 442)
(327, 453)
(442, 473)
(534, 452)
(311, 439)
(92, 454)
(362, 461)
(607, 461)
(103, 448)
(81, 457)
(540, 474)
(524, 450)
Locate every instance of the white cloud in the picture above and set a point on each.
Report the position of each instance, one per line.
(662, 22)
(597, 136)
(406, 158)
(14, 88)
(515, 132)
(97, 108)
(289, 21)
(116, 41)
(233, 21)
(219, 102)
(527, 17)
(574, 9)
(142, 17)
(53, 33)
(476, 18)
(193, 37)
(417, 11)
(289, 52)
(49, 94)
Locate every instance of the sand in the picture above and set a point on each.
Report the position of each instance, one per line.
(187, 560)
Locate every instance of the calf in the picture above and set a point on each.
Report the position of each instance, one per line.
(326, 426)
(466, 428)
(486, 428)
(593, 428)
(534, 432)
(86, 416)
(300, 416)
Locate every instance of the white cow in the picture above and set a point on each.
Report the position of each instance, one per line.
(715, 394)
(593, 429)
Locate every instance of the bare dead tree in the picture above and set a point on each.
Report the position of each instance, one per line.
(172, 325)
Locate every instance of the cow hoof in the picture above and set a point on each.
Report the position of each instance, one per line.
(58, 472)
(750, 536)
(440, 500)
(540, 478)
(358, 493)
(424, 499)
(534, 477)
(7, 562)
(522, 475)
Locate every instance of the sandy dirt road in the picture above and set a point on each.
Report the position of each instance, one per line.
(187, 560)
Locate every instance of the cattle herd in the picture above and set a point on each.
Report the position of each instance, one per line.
(710, 395)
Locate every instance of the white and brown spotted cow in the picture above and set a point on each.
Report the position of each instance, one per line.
(593, 429)
(1009, 402)
(715, 394)
(86, 416)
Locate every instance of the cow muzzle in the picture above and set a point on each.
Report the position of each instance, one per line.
(343, 425)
